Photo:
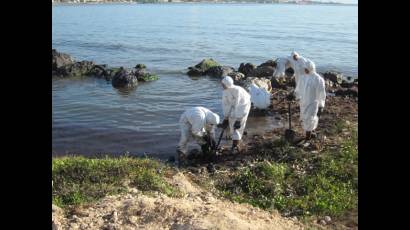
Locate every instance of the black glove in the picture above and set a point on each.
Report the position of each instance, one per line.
(213, 143)
(320, 111)
(291, 96)
(237, 125)
(224, 124)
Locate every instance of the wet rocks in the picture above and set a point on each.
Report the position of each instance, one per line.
(246, 68)
(124, 79)
(219, 71)
(351, 92)
(202, 67)
(335, 77)
(236, 76)
(65, 66)
(262, 71)
(142, 74)
(60, 59)
(271, 63)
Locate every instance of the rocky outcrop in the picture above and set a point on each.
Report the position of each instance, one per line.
(236, 76)
(64, 66)
(124, 79)
(219, 71)
(335, 77)
(76, 69)
(262, 71)
(246, 68)
(202, 67)
(142, 74)
(60, 59)
(271, 63)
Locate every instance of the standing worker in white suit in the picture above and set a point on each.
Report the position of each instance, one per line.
(312, 96)
(236, 103)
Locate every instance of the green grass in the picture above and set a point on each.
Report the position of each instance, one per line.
(80, 180)
(298, 183)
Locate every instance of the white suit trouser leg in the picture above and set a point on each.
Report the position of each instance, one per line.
(185, 138)
(309, 116)
(237, 134)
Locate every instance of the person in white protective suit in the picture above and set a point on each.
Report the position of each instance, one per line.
(260, 97)
(236, 103)
(298, 64)
(281, 64)
(197, 123)
(312, 97)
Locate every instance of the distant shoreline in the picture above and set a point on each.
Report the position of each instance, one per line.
(205, 2)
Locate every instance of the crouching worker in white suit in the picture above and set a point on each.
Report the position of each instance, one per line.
(312, 95)
(197, 123)
(236, 103)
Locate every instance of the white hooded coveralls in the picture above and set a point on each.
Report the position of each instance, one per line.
(236, 103)
(281, 65)
(260, 97)
(298, 66)
(195, 122)
(312, 95)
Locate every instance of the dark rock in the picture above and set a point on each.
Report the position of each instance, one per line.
(333, 76)
(194, 71)
(99, 71)
(263, 71)
(124, 79)
(289, 72)
(140, 66)
(237, 77)
(277, 84)
(60, 59)
(346, 84)
(351, 92)
(219, 71)
(205, 64)
(143, 75)
(81, 68)
(246, 68)
(202, 67)
(271, 63)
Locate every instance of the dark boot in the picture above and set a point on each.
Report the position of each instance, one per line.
(308, 135)
(181, 158)
(235, 146)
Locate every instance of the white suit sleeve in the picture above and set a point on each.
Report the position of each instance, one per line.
(321, 93)
(226, 104)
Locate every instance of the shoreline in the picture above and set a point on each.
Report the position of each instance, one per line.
(205, 2)
(167, 191)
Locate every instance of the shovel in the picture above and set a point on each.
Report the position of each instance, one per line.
(289, 133)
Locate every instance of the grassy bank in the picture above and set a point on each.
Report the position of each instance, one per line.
(80, 180)
(298, 182)
(293, 180)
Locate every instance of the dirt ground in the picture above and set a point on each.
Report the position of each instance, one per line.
(197, 209)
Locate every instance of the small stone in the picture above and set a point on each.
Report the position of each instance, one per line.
(114, 216)
(322, 222)
(56, 209)
(327, 219)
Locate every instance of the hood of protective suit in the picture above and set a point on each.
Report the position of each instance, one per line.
(310, 65)
(212, 118)
(227, 81)
(295, 53)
